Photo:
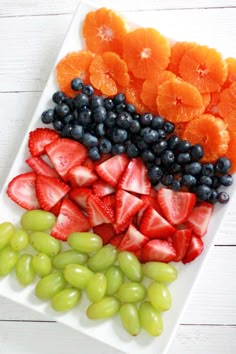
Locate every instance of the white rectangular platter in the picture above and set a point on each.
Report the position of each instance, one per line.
(109, 332)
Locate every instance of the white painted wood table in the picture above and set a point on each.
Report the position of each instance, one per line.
(31, 34)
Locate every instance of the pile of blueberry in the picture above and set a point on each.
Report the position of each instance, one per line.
(111, 125)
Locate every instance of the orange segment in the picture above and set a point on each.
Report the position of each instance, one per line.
(212, 107)
(132, 93)
(179, 101)
(177, 51)
(231, 151)
(206, 99)
(103, 30)
(204, 68)
(145, 51)
(107, 71)
(211, 133)
(75, 64)
(227, 106)
(231, 71)
(179, 129)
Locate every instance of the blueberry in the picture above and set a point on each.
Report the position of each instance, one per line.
(158, 161)
(66, 131)
(100, 129)
(205, 180)
(134, 126)
(96, 101)
(173, 141)
(208, 169)
(94, 154)
(124, 120)
(214, 196)
(167, 157)
(118, 149)
(68, 119)
(167, 179)
(203, 192)
(159, 147)
(58, 97)
(175, 167)
(110, 120)
(47, 116)
(155, 173)
(61, 110)
(105, 146)
(58, 125)
(90, 140)
(147, 156)
(130, 108)
(226, 180)
(188, 180)
(132, 150)
(80, 100)
(77, 132)
(184, 146)
(120, 107)
(108, 104)
(222, 165)
(88, 90)
(99, 114)
(169, 127)
(70, 103)
(215, 182)
(119, 98)
(161, 133)
(85, 117)
(176, 185)
(150, 135)
(119, 135)
(183, 158)
(146, 119)
(77, 84)
(138, 140)
(196, 151)
(193, 168)
(157, 122)
(223, 197)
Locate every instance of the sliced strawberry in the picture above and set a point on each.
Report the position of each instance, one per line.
(101, 188)
(56, 208)
(40, 167)
(199, 218)
(176, 206)
(111, 169)
(153, 225)
(89, 163)
(195, 249)
(105, 231)
(70, 219)
(110, 200)
(138, 254)
(49, 190)
(115, 240)
(80, 196)
(64, 154)
(158, 251)
(181, 241)
(81, 176)
(124, 226)
(127, 205)
(21, 190)
(135, 178)
(39, 138)
(98, 211)
(148, 200)
(132, 240)
(102, 159)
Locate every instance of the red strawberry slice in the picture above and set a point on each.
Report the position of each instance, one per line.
(102, 159)
(123, 227)
(105, 231)
(127, 205)
(40, 167)
(101, 188)
(135, 178)
(132, 240)
(115, 240)
(81, 176)
(49, 190)
(98, 211)
(149, 200)
(111, 169)
(89, 163)
(181, 241)
(56, 208)
(64, 154)
(110, 200)
(21, 190)
(39, 138)
(80, 196)
(153, 225)
(195, 249)
(158, 251)
(199, 218)
(176, 206)
(70, 219)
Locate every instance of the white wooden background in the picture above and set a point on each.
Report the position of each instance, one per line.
(31, 33)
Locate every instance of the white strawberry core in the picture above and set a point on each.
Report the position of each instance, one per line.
(105, 33)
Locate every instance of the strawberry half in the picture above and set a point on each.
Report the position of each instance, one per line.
(105, 231)
(111, 169)
(181, 241)
(195, 249)
(101, 188)
(80, 196)
(110, 200)
(127, 205)
(158, 251)
(98, 211)
(39, 138)
(132, 240)
(81, 176)
(40, 167)
(21, 190)
(116, 240)
(70, 219)
(148, 200)
(176, 206)
(199, 218)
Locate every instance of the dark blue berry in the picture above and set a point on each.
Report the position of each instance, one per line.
(203, 192)
(119, 98)
(205, 180)
(159, 147)
(118, 149)
(80, 100)
(94, 153)
(175, 167)
(88, 90)
(214, 196)
(134, 126)
(226, 180)
(100, 129)
(138, 140)
(85, 117)
(223, 197)
(130, 108)
(167, 179)
(96, 101)
(176, 185)
(183, 158)
(146, 119)
(167, 157)
(90, 140)
(99, 114)
(215, 182)
(147, 156)
(193, 168)
(58, 97)
(155, 173)
(61, 110)
(68, 119)
(196, 151)
(120, 107)
(183, 146)
(208, 169)
(77, 84)
(222, 165)
(157, 122)
(173, 141)
(119, 135)
(105, 146)
(161, 133)
(66, 131)
(124, 120)
(132, 150)
(169, 127)
(110, 120)
(188, 180)
(77, 132)
(158, 161)
(150, 135)
(108, 104)
(47, 116)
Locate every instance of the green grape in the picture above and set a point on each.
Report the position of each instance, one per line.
(105, 308)
(129, 316)
(42, 264)
(38, 220)
(159, 296)
(66, 299)
(77, 275)
(6, 232)
(19, 240)
(8, 259)
(85, 241)
(115, 278)
(131, 292)
(24, 269)
(150, 318)
(103, 258)
(44, 243)
(130, 265)
(159, 271)
(68, 257)
(50, 285)
(96, 287)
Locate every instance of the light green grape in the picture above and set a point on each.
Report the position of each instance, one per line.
(24, 270)
(6, 232)
(130, 265)
(103, 258)
(150, 319)
(44, 243)
(115, 278)
(96, 287)
(38, 220)
(85, 242)
(159, 271)
(50, 285)
(19, 240)
(8, 259)
(131, 292)
(42, 264)
(65, 299)
(105, 308)
(77, 275)
(130, 320)
(61, 260)
(159, 296)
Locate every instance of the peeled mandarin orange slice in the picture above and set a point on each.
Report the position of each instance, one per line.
(227, 106)
(212, 107)
(179, 101)
(211, 133)
(75, 64)
(177, 51)
(204, 68)
(145, 51)
(133, 92)
(107, 71)
(231, 151)
(231, 71)
(103, 30)
(206, 98)
(179, 129)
